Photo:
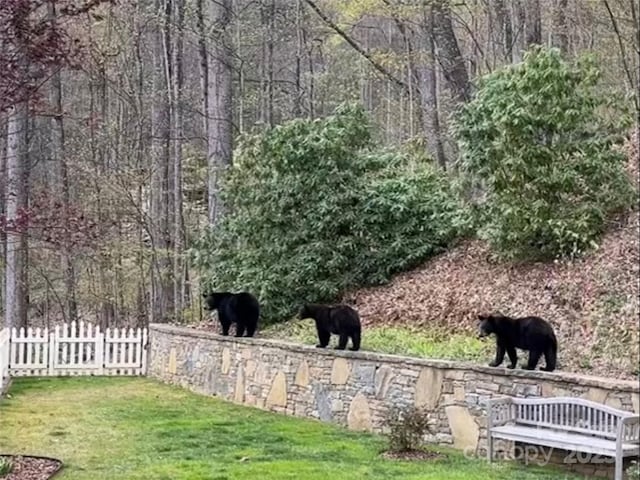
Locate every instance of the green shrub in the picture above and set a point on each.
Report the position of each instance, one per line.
(6, 466)
(633, 471)
(407, 427)
(538, 138)
(314, 210)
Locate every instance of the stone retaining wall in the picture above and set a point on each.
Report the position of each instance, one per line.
(355, 389)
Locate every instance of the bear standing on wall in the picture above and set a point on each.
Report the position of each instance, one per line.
(529, 333)
(340, 320)
(241, 308)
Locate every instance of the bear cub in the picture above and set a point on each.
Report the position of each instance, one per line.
(528, 333)
(241, 308)
(339, 320)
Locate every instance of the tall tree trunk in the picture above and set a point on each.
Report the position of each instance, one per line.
(162, 288)
(560, 36)
(204, 67)
(520, 15)
(533, 23)
(426, 73)
(220, 106)
(178, 232)
(297, 101)
(450, 57)
(268, 14)
(505, 31)
(3, 196)
(15, 201)
(60, 162)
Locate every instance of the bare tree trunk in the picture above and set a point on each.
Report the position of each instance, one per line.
(560, 34)
(533, 23)
(220, 106)
(15, 201)
(204, 69)
(59, 155)
(426, 73)
(520, 22)
(178, 232)
(268, 11)
(450, 57)
(504, 29)
(160, 143)
(3, 196)
(297, 101)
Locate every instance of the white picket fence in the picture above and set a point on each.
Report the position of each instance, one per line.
(73, 349)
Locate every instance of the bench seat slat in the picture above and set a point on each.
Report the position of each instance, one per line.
(563, 440)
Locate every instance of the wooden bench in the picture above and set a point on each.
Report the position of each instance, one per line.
(571, 424)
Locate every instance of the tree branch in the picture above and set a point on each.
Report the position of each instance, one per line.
(356, 47)
(623, 55)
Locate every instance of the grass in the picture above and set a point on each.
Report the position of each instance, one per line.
(134, 428)
(412, 342)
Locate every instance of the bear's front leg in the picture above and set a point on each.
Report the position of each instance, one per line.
(513, 356)
(323, 337)
(499, 355)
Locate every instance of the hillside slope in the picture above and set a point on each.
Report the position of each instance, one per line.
(593, 302)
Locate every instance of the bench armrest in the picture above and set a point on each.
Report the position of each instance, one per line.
(630, 429)
(500, 411)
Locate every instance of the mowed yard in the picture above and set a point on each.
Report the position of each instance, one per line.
(136, 428)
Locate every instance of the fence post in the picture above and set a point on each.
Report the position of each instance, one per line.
(100, 350)
(53, 351)
(145, 351)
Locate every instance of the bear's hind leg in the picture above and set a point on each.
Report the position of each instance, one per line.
(549, 359)
(355, 341)
(251, 329)
(342, 344)
(534, 357)
(239, 329)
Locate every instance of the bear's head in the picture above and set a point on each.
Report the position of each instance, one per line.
(212, 300)
(487, 325)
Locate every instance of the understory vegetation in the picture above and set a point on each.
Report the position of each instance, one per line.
(316, 208)
(401, 340)
(135, 428)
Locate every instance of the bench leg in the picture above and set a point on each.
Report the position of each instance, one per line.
(489, 447)
(619, 463)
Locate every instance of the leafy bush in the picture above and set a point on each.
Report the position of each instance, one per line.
(407, 427)
(539, 137)
(633, 471)
(6, 466)
(315, 210)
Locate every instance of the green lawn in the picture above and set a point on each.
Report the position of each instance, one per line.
(134, 428)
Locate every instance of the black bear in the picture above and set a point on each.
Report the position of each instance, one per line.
(340, 320)
(241, 308)
(528, 333)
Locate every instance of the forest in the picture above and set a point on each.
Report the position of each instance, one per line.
(300, 149)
